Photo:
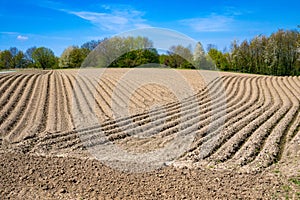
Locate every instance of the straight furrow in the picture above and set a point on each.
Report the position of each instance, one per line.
(20, 106)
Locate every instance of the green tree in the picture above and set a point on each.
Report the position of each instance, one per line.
(91, 45)
(219, 59)
(44, 58)
(6, 59)
(199, 58)
(64, 60)
(180, 57)
(20, 60)
(111, 49)
(136, 58)
(77, 56)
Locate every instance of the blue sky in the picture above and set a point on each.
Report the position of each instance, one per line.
(59, 24)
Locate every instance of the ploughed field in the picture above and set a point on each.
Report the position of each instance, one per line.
(239, 127)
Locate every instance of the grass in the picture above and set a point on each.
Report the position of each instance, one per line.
(295, 181)
(286, 188)
(276, 171)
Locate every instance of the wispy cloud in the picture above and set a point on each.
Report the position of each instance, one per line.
(8, 33)
(21, 37)
(114, 19)
(212, 23)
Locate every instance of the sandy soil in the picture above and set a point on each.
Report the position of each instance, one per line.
(148, 133)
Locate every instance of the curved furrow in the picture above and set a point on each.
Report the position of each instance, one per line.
(145, 93)
(145, 125)
(297, 81)
(106, 89)
(19, 107)
(6, 78)
(10, 88)
(99, 111)
(231, 109)
(3, 76)
(244, 106)
(233, 134)
(295, 124)
(121, 92)
(206, 112)
(201, 95)
(9, 104)
(75, 108)
(105, 97)
(6, 82)
(274, 145)
(125, 86)
(101, 97)
(117, 98)
(169, 109)
(86, 98)
(256, 141)
(120, 136)
(28, 118)
(141, 93)
(56, 138)
(244, 129)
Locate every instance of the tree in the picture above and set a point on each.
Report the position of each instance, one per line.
(77, 56)
(6, 59)
(91, 45)
(19, 60)
(219, 59)
(72, 57)
(136, 58)
(44, 58)
(179, 57)
(64, 60)
(111, 49)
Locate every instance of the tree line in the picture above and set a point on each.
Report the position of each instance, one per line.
(277, 54)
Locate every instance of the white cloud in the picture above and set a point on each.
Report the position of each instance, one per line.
(8, 33)
(114, 19)
(21, 37)
(212, 23)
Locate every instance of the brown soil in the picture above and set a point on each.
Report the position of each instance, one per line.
(245, 129)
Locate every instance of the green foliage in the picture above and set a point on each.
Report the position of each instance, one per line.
(6, 59)
(278, 54)
(72, 57)
(182, 57)
(178, 57)
(44, 58)
(219, 59)
(136, 58)
(120, 52)
(295, 181)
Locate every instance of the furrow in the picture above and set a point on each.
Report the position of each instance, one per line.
(233, 134)
(19, 108)
(274, 145)
(29, 118)
(71, 136)
(255, 143)
(240, 109)
(244, 129)
(10, 103)
(10, 89)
